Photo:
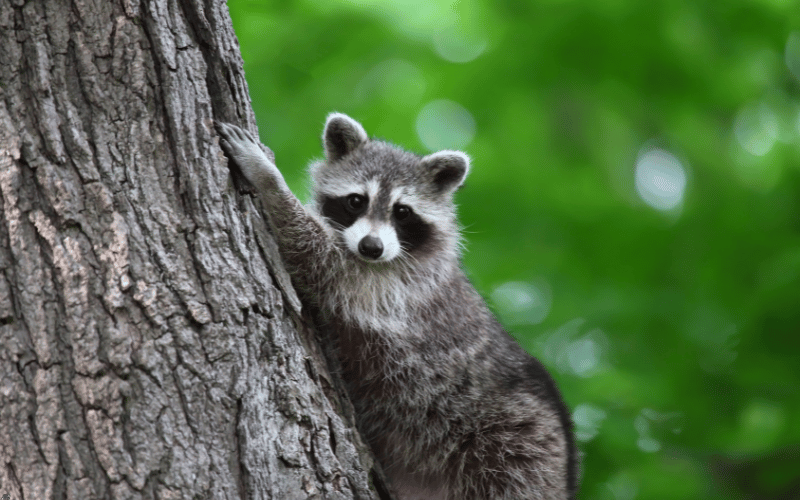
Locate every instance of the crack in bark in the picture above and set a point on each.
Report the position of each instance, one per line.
(15, 480)
(242, 478)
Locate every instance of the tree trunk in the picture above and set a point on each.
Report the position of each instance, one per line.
(150, 341)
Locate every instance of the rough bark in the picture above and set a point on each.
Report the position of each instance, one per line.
(150, 341)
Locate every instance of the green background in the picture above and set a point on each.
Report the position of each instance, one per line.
(632, 213)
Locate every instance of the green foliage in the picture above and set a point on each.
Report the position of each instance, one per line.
(633, 212)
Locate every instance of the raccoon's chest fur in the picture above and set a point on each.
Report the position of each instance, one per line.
(406, 356)
(385, 301)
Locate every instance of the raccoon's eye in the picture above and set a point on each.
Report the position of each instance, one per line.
(356, 202)
(401, 212)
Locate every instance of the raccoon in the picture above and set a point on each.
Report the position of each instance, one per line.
(452, 407)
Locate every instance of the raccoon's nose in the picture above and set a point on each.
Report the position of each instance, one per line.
(370, 247)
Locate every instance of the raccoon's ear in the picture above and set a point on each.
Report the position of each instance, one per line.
(447, 169)
(342, 135)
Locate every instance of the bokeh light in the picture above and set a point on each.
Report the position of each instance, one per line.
(587, 418)
(453, 44)
(756, 128)
(645, 442)
(445, 124)
(522, 303)
(575, 352)
(660, 179)
(623, 486)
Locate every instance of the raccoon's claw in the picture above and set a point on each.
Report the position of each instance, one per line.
(231, 138)
(240, 145)
(246, 153)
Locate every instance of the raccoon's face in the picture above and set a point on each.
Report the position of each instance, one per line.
(385, 202)
(377, 223)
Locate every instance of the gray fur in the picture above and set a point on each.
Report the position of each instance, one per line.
(452, 407)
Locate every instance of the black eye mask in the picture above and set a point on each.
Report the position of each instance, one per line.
(344, 210)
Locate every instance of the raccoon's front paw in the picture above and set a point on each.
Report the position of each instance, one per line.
(245, 151)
